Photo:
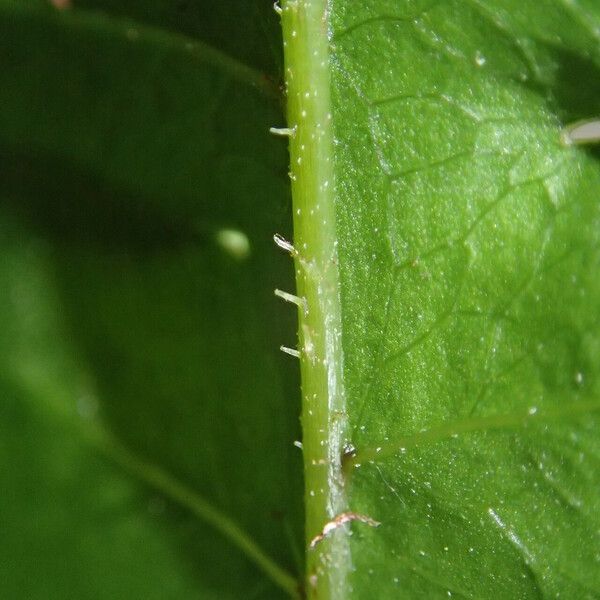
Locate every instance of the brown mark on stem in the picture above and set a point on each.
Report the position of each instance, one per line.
(341, 519)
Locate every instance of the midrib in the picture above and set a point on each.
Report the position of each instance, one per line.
(324, 419)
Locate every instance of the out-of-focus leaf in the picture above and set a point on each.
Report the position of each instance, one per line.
(131, 150)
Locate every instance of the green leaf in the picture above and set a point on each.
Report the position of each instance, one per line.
(147, 413)
(448, 252)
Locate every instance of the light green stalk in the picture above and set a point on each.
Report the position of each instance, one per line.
(324, 406)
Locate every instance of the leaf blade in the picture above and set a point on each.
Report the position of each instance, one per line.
(467, 245)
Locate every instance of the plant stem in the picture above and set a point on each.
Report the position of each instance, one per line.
(306, 52)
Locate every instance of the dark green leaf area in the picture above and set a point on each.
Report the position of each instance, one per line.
(245, 29)
(170, 125)
(469, 252)
(140, 191)
(76, 527)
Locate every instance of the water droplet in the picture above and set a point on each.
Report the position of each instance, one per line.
(234, 242)
(479, 59)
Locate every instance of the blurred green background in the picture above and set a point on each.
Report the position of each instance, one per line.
(126, 146)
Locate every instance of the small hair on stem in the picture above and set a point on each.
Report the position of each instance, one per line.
(291, 351)
(581, 132)
(284, 244)
(283, 131)
(341, 519)
(292, 299)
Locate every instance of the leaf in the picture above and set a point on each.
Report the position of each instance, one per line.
(448, 253)
(147, 414)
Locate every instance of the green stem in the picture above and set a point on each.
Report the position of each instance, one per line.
(324, 418)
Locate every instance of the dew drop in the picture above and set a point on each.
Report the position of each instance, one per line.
(479, 59)
(234, 242)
